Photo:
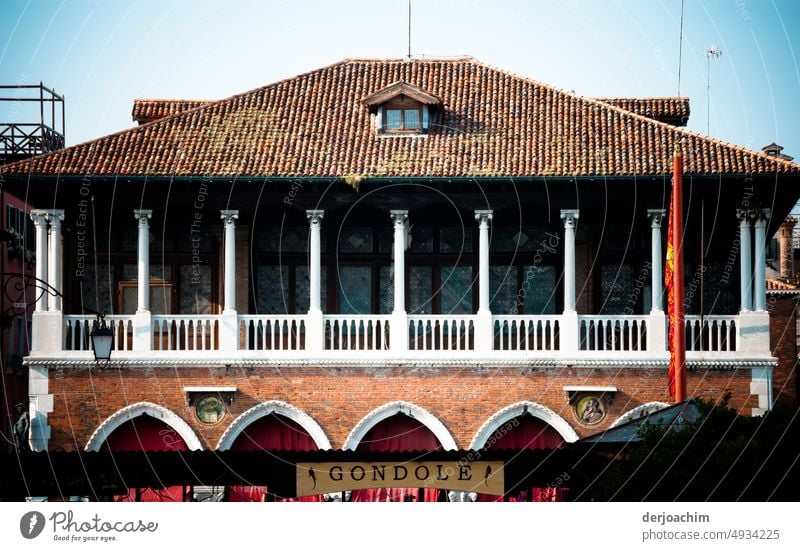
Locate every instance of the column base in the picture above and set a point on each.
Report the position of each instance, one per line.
(47, 332)
(484, 332)
(229, 330)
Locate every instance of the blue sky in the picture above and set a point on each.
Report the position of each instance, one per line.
(102, 53)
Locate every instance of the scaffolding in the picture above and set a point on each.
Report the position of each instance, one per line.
(19, 140)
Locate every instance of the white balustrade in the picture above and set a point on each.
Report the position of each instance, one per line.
(711, 333)
(356, 332)
(613, 333)
(77, 331)
(441, 332)
(532, 333)
(273, 332)
(185, 332)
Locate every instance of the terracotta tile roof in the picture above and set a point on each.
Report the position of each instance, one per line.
(148, 110)
(673, 111)
(493, 123)
(778, 285)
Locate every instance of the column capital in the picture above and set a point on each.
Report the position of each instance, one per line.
(143, 215)
(744, 215)
(229, 216)
(39, 217)
(484, 215)
(399, 216)
(55, 216)
(761, 216)
(570, 217)
(656, 217)
(315, 216)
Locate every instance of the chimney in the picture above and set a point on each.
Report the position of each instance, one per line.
(774, 150)
(786, 248)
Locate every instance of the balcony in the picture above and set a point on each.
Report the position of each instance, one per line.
(565, 339)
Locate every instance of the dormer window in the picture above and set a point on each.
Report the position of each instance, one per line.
(402, 109)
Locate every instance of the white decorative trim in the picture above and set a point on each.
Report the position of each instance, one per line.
(269, 359)
(640, 411)
(515, 410)
(266, 408)
(393, 408)
(761, 386)
(143, 408)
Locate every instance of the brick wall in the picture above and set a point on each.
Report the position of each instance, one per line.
(463, 399)
(783, 343)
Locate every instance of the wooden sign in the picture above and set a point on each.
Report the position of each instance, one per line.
(485, 477)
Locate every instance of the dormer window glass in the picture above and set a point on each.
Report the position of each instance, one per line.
(403, 120)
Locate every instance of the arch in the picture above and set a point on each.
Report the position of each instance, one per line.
(515, 410)
(639, 411)
(406, 408)
(135, 410)
(267, 408)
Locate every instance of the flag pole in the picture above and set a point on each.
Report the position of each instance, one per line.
(679, 332)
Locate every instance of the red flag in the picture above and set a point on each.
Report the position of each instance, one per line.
(673, 281)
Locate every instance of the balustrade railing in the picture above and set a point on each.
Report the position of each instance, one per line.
(532, 333)
(185, 332)
(356, 332)
(436, 332)
(711, 334)
(78, 328)
(612, 333)
(280, 332)
(425, 333)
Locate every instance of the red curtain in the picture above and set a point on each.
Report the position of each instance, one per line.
(527, 433)
(145, 433)
(398, 433)
(271, 432)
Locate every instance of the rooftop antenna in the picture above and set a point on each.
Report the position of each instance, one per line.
(409, 29)
(680, 51)
(715, 52)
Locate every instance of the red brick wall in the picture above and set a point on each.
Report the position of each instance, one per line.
(463, 399)
(783, 343)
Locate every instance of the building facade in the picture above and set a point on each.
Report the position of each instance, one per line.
(391, 255)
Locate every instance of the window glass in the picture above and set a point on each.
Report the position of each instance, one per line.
(503, 289)
(394, 119)
(195, 296)
(386, 290)
(95, 287)
(456, 290)
(411, 119)
(272, 284)
(355, 290)
(616, 286)
(455, 240)
(355, 240)
(421, 239)
(420, 289)
(538, 289)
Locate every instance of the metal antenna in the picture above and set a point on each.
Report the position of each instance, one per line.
(409, 29)
(715, 52)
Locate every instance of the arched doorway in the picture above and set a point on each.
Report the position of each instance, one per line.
(525, 426)
(399, 426)
(271, 426)
(145, 426)
(146, 433)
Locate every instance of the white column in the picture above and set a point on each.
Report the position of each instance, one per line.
(745, 263)
(399, 219)
(483, 217)
(656, 217)
(398, 326)
(54, 262)
(229, 218)
(570, 218)
(143, 216)
(39, 218)
(760, 279)
(315, 251)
